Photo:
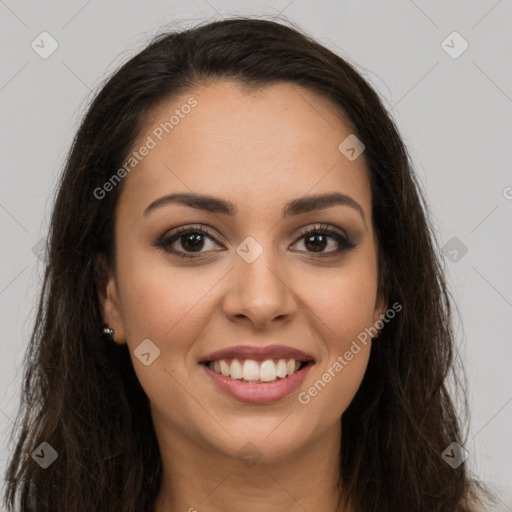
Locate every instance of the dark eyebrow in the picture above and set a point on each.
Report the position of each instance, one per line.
(309, 203)
(198, 201)
(295, 207)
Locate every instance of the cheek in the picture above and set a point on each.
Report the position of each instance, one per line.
(170, 307)
(160, 302)
(341, 307)
(328, 395)
(343, 302)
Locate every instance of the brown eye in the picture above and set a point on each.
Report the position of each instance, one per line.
(316, 240)
(192, 242)
(189, 242)
(186, 240)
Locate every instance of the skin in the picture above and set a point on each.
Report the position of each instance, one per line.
(258, 150)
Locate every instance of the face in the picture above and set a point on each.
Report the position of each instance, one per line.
(247, 269)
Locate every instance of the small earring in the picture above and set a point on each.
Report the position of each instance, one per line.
(108, 333)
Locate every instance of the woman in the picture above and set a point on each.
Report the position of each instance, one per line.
(238, 216)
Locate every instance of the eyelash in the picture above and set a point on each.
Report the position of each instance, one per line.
(166, 240)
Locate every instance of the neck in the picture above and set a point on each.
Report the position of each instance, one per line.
(197, 478)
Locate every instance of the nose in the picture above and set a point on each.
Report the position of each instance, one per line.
(260, 293)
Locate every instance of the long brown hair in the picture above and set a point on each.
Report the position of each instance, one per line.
(81, 395)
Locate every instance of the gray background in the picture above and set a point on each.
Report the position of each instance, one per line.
(454, 115)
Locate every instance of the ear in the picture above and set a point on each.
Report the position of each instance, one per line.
(381, 303)
(108, 296)
(381, 306)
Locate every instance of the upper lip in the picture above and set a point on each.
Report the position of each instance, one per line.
(258, 353)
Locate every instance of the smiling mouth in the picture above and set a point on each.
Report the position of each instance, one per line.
(259, 372)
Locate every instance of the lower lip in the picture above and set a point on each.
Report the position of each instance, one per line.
(259, 393)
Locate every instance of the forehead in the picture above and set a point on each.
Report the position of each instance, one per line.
(253, 147)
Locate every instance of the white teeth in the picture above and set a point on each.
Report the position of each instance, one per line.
(281, 370)
(251, 370)
(235, 370)
(268, 371)
(222, 366)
